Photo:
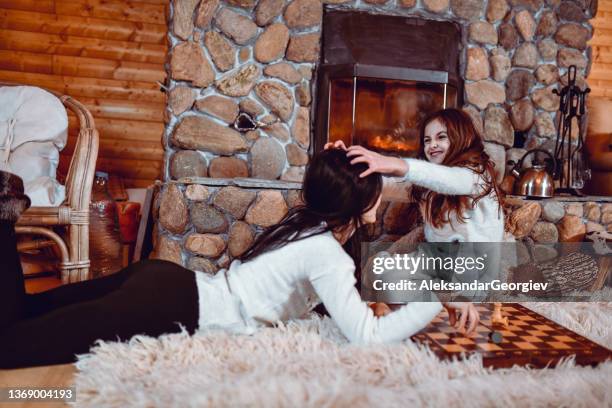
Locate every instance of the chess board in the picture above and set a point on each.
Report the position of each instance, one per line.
(529, 339)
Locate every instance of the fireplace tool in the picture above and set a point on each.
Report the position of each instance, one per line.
(570, 169)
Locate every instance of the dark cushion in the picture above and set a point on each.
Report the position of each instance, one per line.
(13, 201)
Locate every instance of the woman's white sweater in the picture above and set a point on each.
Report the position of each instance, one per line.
(288, 282)
(484, 223)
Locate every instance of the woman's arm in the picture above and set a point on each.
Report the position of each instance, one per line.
(334, 284)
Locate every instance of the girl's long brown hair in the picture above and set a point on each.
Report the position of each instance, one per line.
(466, 150)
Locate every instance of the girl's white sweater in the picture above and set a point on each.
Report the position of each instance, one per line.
(484, 223)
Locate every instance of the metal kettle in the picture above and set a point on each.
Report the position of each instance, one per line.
(534, 181)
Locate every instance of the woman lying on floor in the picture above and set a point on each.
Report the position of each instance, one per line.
(282, 276)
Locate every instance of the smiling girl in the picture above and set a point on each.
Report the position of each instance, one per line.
(453, 179)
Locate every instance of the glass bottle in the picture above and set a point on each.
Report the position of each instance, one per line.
(104, 239)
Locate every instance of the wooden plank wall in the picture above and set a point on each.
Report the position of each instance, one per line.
(600, 77)
(109, 54)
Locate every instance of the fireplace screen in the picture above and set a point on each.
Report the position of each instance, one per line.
(383, 114)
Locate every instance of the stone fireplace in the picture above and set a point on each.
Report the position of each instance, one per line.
(267, 62)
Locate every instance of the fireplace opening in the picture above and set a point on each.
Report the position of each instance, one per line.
(381, 76)
(383, 114)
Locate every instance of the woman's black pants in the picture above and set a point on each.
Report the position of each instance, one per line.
(150, 297)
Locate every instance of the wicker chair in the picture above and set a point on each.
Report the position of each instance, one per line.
(67, 226)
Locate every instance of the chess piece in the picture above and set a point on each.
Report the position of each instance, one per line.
(496, 337)
(497, 317)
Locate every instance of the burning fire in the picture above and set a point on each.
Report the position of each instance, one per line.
(391, 144)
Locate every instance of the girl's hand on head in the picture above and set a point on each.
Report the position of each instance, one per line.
(338, 144)
(377, 163)
(468, 313)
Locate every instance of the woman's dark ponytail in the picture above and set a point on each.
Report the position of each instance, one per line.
(334, 197)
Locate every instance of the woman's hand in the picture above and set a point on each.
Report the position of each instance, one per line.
(380, 309)
(377, 163)
(468, 313)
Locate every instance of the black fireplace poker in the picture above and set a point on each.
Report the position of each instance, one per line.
(570, 168)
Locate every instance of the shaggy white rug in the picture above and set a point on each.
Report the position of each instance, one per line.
(308, 363)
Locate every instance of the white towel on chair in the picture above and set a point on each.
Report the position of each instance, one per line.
(33, 130)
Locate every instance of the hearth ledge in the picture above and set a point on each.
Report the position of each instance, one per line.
(239, 182)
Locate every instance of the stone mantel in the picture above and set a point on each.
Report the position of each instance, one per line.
(240, 182)
(253, 183)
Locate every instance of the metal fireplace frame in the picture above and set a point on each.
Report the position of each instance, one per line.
(342, 57)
